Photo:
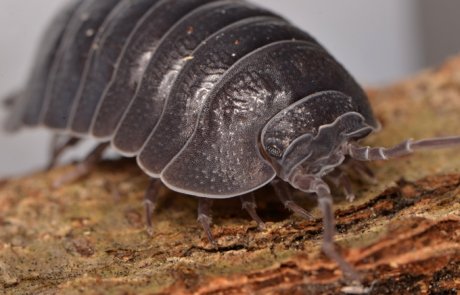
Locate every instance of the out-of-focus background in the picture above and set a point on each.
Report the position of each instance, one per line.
(378, 42)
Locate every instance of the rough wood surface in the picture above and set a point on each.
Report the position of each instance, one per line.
(402, 234)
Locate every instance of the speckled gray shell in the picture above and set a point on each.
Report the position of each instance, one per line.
(186, 86)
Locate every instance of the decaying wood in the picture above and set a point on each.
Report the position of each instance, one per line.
(402, 234)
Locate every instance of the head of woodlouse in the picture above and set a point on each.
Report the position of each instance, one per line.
(308, 139)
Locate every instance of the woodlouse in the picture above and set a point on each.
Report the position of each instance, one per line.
(215, 98)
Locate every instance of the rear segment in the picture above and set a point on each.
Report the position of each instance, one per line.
(68, 68)
(103, 60)
(27, 105)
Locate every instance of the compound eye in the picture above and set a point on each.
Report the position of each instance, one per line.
(274, 151)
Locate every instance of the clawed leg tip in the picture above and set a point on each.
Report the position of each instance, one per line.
(357, 288)
(211, 240)
(307, 216)
(351, 198)
(299, 211)
(149, 226)
(209, 236)
(150, 200)
(205, 223)
(214, 245)
(354, 277)
(284, 193)
(204, 218)
(248, 203)
(80, 171)
(149, 231)
(261, 226)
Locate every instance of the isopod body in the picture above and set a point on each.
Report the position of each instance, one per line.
(214, 98)
(186, 86)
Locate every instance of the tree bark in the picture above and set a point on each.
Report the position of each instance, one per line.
(402, 233)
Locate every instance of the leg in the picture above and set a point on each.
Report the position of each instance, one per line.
(58, 149)
(150, 202)
(249, 204)
(204, 217)
(325, 204)
(313, 184)
(341, 180)
(83, 167)
(362, 171)
(283, 192)
(362, 168)
(345, 182)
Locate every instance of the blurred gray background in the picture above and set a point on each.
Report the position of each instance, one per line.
(377, 41)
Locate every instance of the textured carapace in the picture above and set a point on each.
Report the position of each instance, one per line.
(186, 86)
(214, 98)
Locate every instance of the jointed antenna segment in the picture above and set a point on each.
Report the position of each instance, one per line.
(405, 148)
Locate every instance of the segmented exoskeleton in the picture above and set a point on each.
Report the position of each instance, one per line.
(215, 99)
